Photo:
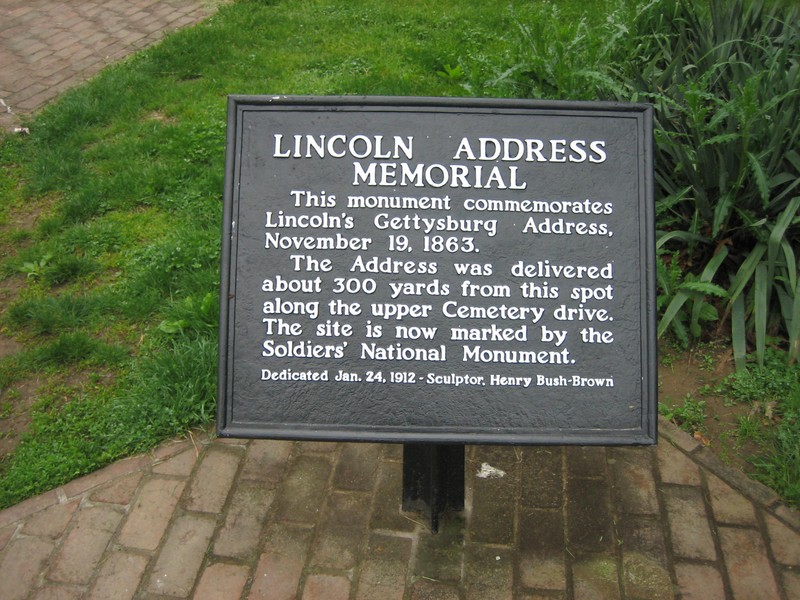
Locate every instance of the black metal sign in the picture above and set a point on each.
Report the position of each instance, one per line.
(438, 270)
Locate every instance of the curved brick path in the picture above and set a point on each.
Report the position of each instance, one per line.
(231, 519)
(47, 46)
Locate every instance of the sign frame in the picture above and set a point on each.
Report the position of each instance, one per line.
(645, 430)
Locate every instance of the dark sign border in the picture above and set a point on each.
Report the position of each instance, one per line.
(645, 435)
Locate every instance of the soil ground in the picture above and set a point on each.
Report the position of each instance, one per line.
(696, 375)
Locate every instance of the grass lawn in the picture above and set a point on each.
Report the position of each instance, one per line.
(110, 210)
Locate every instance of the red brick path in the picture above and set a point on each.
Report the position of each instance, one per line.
(47, 46)
(237, 519)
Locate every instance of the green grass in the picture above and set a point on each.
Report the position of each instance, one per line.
(689, 415)
(773, 393)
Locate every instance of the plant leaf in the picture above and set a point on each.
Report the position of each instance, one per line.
(776, 236)
(671, 313)
(721, 211)
(703, 287)
(708, 312)
(760, 177)
(791, 263)
(794, 327)
(745, 273)
(681, 236)
(701, 309)
(738, 333)
(723, 138)
(762, 290)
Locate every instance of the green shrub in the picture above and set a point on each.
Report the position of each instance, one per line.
(724, 79)
(725, 82)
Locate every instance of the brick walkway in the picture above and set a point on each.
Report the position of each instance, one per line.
(47, 46)
(233, 519)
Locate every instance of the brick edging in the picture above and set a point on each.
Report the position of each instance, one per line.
(78, 487)
(758, 493)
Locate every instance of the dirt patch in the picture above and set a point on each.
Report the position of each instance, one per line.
(18, 398)
(692, 378)
(21, 222)
(22, 398)
(16, 408)
(8, 346)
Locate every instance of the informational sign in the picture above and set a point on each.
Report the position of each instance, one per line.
(438, 270)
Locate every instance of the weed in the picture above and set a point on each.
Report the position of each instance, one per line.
(779, 466)
(683, 298)
(773, 381)
(451, 74)
(192, 315)
(68, 268)
(7, 408)
(167, 264)
(689, 416)
(749, 428)
(35, 269)
(706, 389)
(75, 348)
(562, 58)
(51, 314)
(92, 239)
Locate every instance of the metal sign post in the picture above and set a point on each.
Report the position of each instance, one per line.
(433, 480)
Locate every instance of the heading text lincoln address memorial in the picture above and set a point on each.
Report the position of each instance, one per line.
(438, 270)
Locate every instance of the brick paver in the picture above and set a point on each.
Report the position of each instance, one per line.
(277, 577)
(384, 568)
(151, 513)
(699, 582)
(542, 555)
(239, 536)
(85, 545)
(341, 532)
(211, 483)
(222, 580)
(119, 576)
(256, 519)
(326, 587)
(728, 505)
(747, 564)
(691, 532)
(51, 522)
(178, 563)
(25, 558)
